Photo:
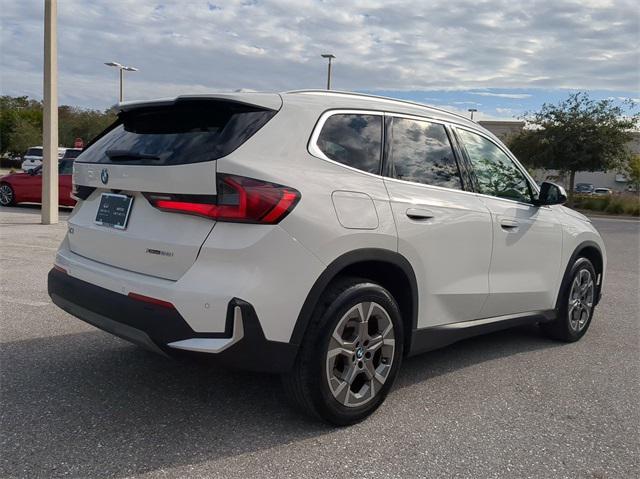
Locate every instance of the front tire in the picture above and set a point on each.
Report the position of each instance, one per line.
(7, 195)
(350, 355)
(576, 303)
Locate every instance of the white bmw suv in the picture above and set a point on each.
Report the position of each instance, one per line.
(320, 235)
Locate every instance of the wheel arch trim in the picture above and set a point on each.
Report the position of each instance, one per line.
(337, 266)
(578, 252)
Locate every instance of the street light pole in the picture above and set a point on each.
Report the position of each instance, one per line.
(50, 116)
(330, 57)
(122, 69)
(472, 110)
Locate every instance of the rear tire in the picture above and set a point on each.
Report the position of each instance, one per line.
(350, 355)
(7, 195)
(576, 303)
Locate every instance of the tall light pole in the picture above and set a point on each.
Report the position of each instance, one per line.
(50, 116)
(472, 110)
(330, 57)
(122, 69)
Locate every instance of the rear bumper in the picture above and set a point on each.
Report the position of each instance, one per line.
(163, 330)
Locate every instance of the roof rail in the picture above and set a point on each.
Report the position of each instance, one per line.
(378, 97)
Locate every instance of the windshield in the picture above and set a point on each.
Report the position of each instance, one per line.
(34, 152)
(181, 133)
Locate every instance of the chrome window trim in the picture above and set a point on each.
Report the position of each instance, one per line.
(315, 150)
(425, 185)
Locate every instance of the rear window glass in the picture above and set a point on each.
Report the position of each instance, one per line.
(185, 132)
(34, 152)
(354, 140)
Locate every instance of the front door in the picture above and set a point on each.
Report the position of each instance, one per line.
(527, 239)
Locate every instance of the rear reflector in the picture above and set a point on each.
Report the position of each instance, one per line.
(150, 300)
(60, 268)
(239, 200)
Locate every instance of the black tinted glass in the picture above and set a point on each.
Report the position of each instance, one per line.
(421, 152)
(65, 167)
(186, 132)
(34, 152)
(497, 174)
(353, 140)
(71, 154)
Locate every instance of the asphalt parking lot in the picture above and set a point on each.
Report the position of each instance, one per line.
(77, 402)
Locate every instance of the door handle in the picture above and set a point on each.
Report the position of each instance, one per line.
(509, 225)
(419, 214)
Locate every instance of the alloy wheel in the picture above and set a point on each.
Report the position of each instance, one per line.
(6, 195)
(360, 354)
(581, 299)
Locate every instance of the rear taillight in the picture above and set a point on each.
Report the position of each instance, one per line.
(239, 199)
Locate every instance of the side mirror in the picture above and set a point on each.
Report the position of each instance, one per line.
(551, 194)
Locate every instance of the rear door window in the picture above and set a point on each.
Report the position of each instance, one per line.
(177, 134)
(353, 139)
(420, 151)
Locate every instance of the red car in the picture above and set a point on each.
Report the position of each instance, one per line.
(27, 187)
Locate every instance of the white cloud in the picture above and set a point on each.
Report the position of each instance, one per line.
(514, 96)
(506, 111)
(200, 45)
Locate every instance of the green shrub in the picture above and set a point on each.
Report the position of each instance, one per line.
(615, 205)
(632, 209)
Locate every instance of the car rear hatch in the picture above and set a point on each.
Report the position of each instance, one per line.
(155, 151)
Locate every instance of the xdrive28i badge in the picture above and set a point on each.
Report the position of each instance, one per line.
(104, 176)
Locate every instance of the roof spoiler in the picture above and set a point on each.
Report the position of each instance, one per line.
(268, 101)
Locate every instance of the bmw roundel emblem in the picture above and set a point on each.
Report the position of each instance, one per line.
(104, 176)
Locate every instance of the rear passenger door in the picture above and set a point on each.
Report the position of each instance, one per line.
(443, 230)
(527, 244)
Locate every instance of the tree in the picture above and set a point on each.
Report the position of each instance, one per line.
(25, 135)
(18, 114)
(577, 134)
(633, 171)
(21, 124)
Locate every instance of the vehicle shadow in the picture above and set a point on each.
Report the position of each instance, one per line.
(89, 405)
(471, 352)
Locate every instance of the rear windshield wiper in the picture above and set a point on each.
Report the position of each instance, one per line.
(126, 155)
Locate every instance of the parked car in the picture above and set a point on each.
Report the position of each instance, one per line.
(320, 235)
(27, 187)
(33, 157)
(584, 188)
(602, 192)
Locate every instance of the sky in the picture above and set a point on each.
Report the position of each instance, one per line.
(503, 58)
